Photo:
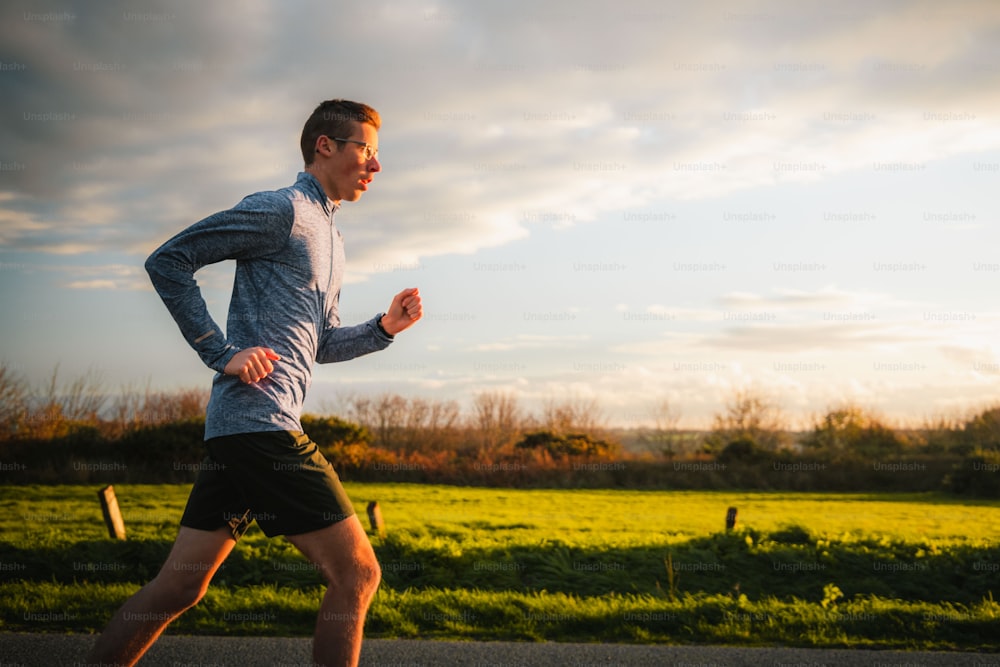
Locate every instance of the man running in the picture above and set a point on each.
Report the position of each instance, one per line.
(283, 318)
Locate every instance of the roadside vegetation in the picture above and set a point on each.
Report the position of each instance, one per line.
(76, 432)
(802, 569)
(552, 526)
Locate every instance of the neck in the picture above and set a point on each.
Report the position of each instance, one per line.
(317, 173)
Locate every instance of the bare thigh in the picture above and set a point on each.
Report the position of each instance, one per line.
(342, 551)
(194, 558)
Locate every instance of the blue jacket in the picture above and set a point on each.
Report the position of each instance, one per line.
(289, 270)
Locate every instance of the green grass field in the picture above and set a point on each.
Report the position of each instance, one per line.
(915, 571)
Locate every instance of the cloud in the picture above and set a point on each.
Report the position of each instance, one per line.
(99, 277)
(797, 338)
(509, 120)
(787, 298)
(527, 342)
(92, 284)
(508, 109)
(15, 224)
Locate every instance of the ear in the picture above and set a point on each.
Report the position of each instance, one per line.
(324, 145)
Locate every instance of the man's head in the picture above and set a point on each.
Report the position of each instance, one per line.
(339, 145)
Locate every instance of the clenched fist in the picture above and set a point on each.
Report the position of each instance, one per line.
(252, 364)
(405, 310)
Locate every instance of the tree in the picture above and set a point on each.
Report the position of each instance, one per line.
(983, 430)
(496, 418)
(571, 444)
(136, 408)
(852, 430)
(13, 402)
(61, 410)
(942, 434)
(667, 439)
(749, 417)
(81, 400)
(384, 416)
(573, 414)
(444, 424)
(402, 424)
(431, 425)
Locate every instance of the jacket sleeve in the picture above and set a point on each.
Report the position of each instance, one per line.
(345, 343)
(257, 226)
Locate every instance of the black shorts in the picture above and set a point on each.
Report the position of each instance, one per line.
(279, 478)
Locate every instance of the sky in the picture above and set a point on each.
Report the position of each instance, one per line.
(628, 203)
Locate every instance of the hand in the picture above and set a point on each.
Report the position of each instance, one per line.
(252, 364)
(404, 311)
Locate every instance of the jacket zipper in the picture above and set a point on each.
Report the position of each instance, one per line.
(329, 280)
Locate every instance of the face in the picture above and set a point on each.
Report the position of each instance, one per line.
(346, 173)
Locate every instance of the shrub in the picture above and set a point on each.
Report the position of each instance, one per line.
(742, 450)
(332, 431)
(752, 417)
(852, 431)
(983, 431)
(572, 444)
(977, 475)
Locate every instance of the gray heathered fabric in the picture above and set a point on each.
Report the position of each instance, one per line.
(289, 267)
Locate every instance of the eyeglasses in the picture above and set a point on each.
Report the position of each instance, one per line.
(370, 151)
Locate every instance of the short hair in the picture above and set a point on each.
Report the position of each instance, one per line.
(333, 118)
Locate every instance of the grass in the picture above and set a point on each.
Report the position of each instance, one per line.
(875, 570)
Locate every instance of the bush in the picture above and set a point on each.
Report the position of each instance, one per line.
(982, 432)
(742, 450)
(749, 416)
(977, 475)
(851, 431)
(332, 431)
(572, 444)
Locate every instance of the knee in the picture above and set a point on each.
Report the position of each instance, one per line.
(374, 575)
(367, 576)
(180, 593)
(362, 578)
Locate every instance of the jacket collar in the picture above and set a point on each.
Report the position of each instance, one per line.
(310, 186)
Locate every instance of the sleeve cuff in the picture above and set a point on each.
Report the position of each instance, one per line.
(219, 364)
(378, 325)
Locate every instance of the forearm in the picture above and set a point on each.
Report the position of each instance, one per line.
(256, 226)
(169, 271)
(345, 343)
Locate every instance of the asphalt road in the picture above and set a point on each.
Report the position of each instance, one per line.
(31, 650)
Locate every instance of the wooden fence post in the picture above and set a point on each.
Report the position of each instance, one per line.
(375, 518)
(112, 514)
(730, 518)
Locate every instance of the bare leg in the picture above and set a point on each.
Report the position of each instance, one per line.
(180, 584)
(345, 557)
